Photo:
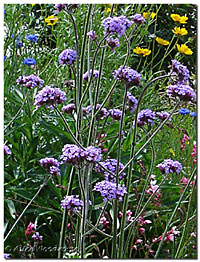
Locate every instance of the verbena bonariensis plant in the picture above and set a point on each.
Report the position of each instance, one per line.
(111, 193)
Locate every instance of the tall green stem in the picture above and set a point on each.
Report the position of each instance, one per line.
(115, 207)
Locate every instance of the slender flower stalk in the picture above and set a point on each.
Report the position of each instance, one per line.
(115, 207)
(186, 224)
(132, 157)
(173, 214)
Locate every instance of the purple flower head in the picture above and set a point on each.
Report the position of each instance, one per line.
(51, 165)
(72, 203)
(184, 111)
(116, 114)
(180, 71)
(146, 116)
(37, 236)
(49, 96)
(73, 6)
(132, 102)
(67, 57)
(72, 154)
(163, 115)
(31, 38)
(101, 115)
(113, 43)
(95, 74)
(29, 61)
(170, 166)
(92, 35)
(138, 18)
(30, 81)
(110, 164)
(116, 25)
(68, 109)
(93, 154)
(6, 150)
(6, 256)
(127, 75)
(110, 190)
(184, 92)
(59, 7)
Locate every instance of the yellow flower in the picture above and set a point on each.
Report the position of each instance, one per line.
(108, 10)
(51, 20)
(179, 31)
(184, 49)
(172, 151)
(147, 14)
(162, 41)
(142, 51)
(32, 4)
(179, 19)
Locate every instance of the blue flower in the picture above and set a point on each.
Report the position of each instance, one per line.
(19, 44)
(184, 111)
(29, 61)
(193, 114)
(31, 38)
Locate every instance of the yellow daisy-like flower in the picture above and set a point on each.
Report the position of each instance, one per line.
(32, 4)
(162, 41)
(51, 20)
(108, 10)
(142, 51)
(147, 14)
(179, 31)
(184, 49)
(179, 19)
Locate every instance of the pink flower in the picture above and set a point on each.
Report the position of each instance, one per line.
(134, 247)
(142, 230)
(120, 214)
(138, 241)
(30, 229)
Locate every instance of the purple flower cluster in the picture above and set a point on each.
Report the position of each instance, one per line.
(163, 115)
(170, 166)
(49, 96)
(111, 165)
(72, 203)
(127, 75)
(138, 18)
(74, 155)
(6, 256)
(116, 114)
(95, 74)
(102, 113)
(37, 236)
(30, 81)
(145, 116)
(110, 190)
(67, 57)
(113, 43)
(6, 150)
(184, 92)
(181, 71)
(51, 165)
(93, 154)
(68, 109)
(132, 101)
(59, 7)
(92, 35)
(116, 25)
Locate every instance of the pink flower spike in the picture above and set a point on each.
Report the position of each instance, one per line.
(142, 230)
